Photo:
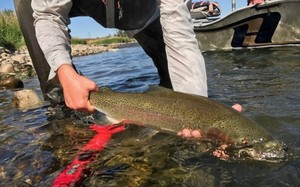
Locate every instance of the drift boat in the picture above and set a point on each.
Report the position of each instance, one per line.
(271, 23)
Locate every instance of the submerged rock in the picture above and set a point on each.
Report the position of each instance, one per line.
(11, 83)
(26, 99)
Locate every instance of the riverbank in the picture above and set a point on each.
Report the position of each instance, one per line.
(17, 65)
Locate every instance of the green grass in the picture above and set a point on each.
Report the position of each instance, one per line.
(10, 33)
(102, 41)
(78, 41)
(111, 40)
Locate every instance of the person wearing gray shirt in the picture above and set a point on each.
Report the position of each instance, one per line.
(163, 29)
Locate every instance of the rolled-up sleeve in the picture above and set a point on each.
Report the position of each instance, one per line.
(51, 27)
(185, 61)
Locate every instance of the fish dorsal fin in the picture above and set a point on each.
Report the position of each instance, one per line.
(153, 88)
(104, 89)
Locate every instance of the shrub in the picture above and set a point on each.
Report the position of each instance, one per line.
(110, 40)
(10, 32)
(78, 41)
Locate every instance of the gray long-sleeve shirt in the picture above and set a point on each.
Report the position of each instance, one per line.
(51, 20)
(186, 64)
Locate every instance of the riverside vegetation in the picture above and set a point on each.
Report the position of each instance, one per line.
(10, 33)
(15, 62)
(11, 37)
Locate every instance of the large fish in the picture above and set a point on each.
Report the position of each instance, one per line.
(169, 111)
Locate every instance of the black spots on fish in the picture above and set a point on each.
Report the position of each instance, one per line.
(147, 105)
(242, 127)
(244, 130)
(246, 134)
(248, 131)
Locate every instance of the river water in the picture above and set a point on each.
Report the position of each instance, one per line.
(35, 147)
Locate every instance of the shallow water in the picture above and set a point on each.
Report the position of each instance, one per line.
(35, 148)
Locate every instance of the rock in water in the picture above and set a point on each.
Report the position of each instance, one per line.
(26, 99)
(11, 83)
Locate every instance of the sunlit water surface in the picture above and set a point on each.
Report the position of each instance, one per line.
(35, 148)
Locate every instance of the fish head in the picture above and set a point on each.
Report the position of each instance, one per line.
(270, 151)
(237, 132)
(247, 140)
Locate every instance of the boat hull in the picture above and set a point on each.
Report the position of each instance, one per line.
(269, 24)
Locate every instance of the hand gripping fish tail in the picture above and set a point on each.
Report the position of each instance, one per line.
(73, 174)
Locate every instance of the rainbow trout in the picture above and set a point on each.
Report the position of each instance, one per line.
(169, 111)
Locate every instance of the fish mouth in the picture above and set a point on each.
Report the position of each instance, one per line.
(270, 151)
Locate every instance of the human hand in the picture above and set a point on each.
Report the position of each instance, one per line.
(189, 133)
(76, 88)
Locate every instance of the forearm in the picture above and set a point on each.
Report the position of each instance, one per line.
(51, 20)
(185, 61)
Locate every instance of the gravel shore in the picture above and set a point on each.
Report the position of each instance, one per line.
(17, 65)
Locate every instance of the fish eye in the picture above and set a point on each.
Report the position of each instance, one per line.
(261, 139)
(244, 141)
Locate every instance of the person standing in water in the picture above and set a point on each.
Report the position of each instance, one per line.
(163, 29)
